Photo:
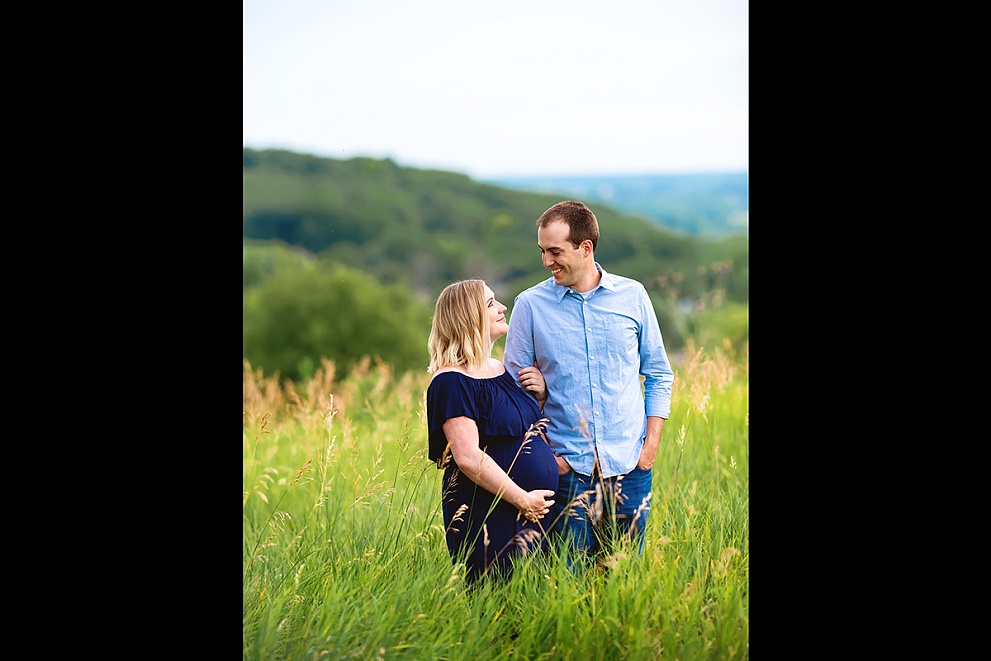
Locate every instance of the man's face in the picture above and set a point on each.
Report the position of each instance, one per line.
(567, 263)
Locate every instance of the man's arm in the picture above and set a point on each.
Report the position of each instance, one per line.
(651, 442)
(520, 352)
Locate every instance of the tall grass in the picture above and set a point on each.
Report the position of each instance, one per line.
(343, 543)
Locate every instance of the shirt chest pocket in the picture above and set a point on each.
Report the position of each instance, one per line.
(622, 337)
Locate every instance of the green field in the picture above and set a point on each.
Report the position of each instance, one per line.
(343, 544)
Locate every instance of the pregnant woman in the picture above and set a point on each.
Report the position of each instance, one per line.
(485, 433)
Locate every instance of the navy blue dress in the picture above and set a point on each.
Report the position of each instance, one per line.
(504, 413)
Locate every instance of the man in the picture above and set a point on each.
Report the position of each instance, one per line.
(592, 335)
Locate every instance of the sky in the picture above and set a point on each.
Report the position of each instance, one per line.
(504, 88)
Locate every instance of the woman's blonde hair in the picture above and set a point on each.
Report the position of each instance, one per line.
(459, 332)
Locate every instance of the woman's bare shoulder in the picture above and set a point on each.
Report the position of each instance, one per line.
(447, 370)
(492, 368)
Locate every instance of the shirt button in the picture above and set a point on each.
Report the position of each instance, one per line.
(591, 357)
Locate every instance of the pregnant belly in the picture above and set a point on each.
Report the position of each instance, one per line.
(533, 467)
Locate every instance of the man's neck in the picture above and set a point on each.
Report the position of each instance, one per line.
(590, 282)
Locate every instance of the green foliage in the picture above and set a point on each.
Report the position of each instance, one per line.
(262, 260)
(714, 326)
(313, 310)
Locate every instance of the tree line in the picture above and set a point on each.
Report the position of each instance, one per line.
(344, 258)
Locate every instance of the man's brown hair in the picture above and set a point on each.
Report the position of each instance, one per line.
(582, 224)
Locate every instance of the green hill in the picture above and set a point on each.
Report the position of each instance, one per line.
(427, 228)
(419, 230)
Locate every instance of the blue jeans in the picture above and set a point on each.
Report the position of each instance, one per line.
(596, 514)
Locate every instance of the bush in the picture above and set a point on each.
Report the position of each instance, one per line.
(297, 317)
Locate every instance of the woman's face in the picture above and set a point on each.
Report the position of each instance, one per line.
(498, 326)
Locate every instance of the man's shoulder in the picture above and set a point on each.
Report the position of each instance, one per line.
(543, 287)
(620, 282)
(620, 279)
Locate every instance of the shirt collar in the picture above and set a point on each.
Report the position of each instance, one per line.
(606, 282)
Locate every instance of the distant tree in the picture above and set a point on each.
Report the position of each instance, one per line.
(262, 259)
(298, 316)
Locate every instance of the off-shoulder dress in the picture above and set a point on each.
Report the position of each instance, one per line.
(487, 538)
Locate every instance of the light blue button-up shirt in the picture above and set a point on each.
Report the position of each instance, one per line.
(592, 350)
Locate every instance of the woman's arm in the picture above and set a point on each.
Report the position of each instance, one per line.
(462, 435)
